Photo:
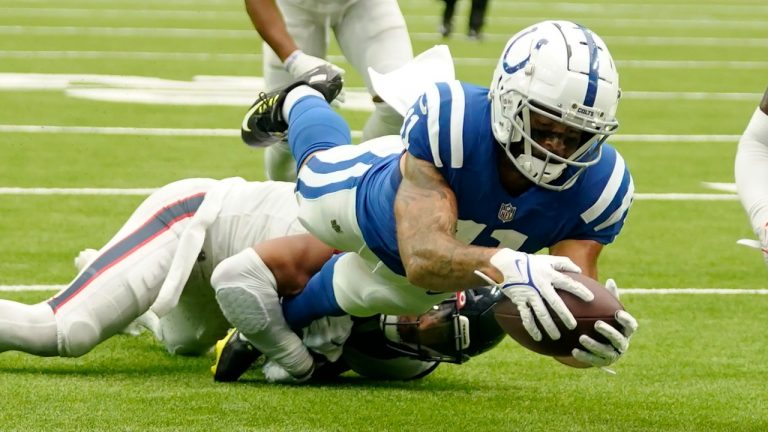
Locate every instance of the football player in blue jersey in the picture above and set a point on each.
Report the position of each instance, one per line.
(751, 169)
(479, 181)
(383, 346)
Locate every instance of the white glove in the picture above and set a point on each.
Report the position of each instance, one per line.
(327, 336)
(530, 280)
(601, 354)
(298, 63)
(274, 373)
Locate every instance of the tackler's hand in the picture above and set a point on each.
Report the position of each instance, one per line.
(327, 335)
(605, 354)
(299, 63)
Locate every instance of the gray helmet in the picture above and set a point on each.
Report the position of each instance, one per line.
(455, 330)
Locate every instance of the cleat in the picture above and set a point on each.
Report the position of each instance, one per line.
(474, 35)
(445, 29)
(234, 356)
(263, 124)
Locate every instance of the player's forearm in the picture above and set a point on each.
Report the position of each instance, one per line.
(751, 167)
(269, 22)
(440, 263)
(425, 210)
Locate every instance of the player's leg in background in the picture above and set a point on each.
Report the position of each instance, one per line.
(246, 291)
(116, 286)
(374, 33)
(446, 26)
(196, 323)
(477, 18)
(28, 328)
(310, 33)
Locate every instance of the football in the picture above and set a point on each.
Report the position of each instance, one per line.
(603, 307)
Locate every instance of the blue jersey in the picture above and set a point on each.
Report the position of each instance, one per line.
(450, 126)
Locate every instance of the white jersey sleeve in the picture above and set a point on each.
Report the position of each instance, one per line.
(751, 170)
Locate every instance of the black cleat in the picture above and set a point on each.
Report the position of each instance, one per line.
(264, 125)
(234, 356)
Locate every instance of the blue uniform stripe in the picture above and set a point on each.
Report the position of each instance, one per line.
(318, 166)
(310, 192)
(594, 65)
(444, 137)
(156, 225)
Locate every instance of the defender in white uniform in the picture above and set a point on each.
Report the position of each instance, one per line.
(751, 169)
(177, 236)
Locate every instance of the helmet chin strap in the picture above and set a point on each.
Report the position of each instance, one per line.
(538, 170)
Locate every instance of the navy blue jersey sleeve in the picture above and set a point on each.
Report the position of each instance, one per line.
(611, 193)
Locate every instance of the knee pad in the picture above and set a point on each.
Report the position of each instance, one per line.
(77, 338)
(246, 291)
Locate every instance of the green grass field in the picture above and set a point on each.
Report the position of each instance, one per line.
(690, 70)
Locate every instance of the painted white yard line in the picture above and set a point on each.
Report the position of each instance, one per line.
(694, 291)
(75, 191)
(620, 22)
(657, 9)
(147, 191)
(106, 130)
(674, 138)
(72, 12)
(235, 90)
(692, 64)
(255, 57)
(665, 41)
(133, 55)
(685, 197)
(700, 96)
(197, 14)
(23, 288)
(607, 8)
(624, 291)
(238, 34)
(101, 130)
(726, 7)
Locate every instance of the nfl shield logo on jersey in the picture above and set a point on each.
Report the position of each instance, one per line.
(506, 212)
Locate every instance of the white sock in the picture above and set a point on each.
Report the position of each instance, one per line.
(28, 328)
(294, 95)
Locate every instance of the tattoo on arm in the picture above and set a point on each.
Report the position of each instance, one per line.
(426, 214)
